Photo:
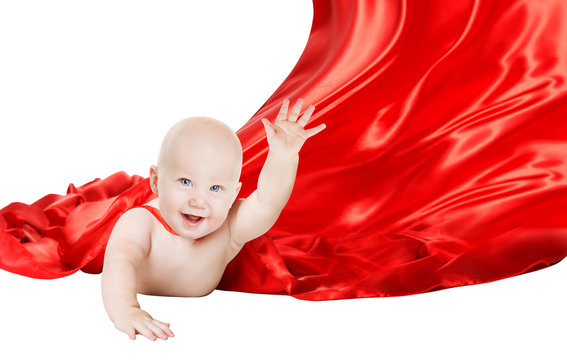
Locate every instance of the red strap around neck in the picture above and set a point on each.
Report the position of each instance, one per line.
(158, 216)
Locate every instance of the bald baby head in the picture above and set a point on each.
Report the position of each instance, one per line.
(197, 175)
(211, 140)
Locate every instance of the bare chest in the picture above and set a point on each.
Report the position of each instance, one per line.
(184, 267)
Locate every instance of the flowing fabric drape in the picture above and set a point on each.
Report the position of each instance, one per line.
(443, 164)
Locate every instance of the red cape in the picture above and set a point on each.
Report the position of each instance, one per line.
(443, 163)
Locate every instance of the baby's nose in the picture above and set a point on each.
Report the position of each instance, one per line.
(196, 201)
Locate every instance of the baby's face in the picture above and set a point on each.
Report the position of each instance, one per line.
(197, 183)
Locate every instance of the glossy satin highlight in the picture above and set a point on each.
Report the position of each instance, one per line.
(443, 162)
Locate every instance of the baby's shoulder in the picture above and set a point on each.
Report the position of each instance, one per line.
(131, 235)
(136, 221)
(136, 214)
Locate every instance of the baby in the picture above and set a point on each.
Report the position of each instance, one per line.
(179, 243)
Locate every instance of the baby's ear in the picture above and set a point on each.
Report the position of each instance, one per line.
(237, 190)
(153, 179)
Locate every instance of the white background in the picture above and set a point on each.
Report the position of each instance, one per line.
(88, 88)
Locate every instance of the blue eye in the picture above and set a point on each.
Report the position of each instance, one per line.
(185, 182)
(215, 187)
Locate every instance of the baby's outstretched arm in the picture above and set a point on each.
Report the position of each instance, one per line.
(285, 138)
(128, 245)
(256, 214)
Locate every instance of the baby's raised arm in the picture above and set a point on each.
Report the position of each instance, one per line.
(128, 246)
(253, 216)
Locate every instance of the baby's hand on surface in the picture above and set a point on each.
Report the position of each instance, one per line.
(287, 135)
(134, 321)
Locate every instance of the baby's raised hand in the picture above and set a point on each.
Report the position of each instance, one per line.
(287, 135)
(134, 321)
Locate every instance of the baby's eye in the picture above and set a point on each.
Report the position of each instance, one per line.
(215, 188)
(185, 182)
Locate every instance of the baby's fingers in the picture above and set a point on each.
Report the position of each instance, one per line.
(145, 331)
(315, 130)
(130, 331)
(282, 115)
(127, 329)
(164, 327)
(306, 115)
(157, 330)
(269, 127)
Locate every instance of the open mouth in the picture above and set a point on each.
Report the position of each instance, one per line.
(192, 219)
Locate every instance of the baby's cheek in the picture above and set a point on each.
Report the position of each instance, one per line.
(167, 200)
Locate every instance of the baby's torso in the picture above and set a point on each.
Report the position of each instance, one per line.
(182, 267)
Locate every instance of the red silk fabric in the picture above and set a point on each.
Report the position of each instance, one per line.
(443, 164)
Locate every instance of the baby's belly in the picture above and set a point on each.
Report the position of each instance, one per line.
(183, 281)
